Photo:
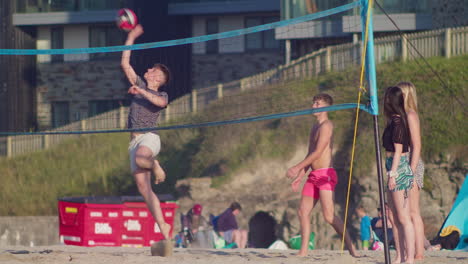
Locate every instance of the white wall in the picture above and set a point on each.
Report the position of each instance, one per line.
(75, 36)
(43, 42)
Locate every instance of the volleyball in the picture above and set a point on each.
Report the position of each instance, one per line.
(126, 19)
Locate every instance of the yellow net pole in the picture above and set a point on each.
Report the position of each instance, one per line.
(361, 88)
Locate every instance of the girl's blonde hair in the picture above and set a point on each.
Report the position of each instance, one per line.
(409, 93)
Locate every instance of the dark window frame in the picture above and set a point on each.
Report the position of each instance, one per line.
(212, 46)
(263, 34)
(110, 32)
(56, 42)
(64, 112)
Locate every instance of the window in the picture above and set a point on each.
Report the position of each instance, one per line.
(212, 28)
(56, 42)
(60, 114)
(97, 107)
(104, 36)
(261, 40)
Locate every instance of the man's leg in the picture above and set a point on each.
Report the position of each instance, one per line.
(304, 211)
(143, 182)
(144, 159)
(328, 209)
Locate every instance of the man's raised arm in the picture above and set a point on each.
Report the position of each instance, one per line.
(125, 62)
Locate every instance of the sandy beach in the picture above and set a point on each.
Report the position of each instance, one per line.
(119, 255)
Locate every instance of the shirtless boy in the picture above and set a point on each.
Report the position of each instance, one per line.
(322, 179)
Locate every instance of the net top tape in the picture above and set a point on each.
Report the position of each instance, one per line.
(168, 43)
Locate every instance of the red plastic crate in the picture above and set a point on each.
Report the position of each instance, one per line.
(135, 224)
(110, 221)
(87, 224)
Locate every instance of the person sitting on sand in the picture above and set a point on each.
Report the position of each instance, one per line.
(228, 228)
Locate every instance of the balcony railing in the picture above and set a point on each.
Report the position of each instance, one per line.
(43, 6)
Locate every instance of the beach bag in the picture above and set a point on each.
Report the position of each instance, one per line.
(278, 244)
(295, 241)
(377, 246)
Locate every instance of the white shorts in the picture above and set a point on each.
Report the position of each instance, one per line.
(149, 140)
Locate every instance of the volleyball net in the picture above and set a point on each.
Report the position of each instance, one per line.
(234, 76)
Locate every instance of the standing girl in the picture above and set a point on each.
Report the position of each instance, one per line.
(416, 164)
(397, 141)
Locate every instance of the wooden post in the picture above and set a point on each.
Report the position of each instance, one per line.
(194, 101)
(220, 90)
(404, 48)
(328, 65)
(83, 125)
(167, 113)
(45, 141)
(122, 117)
(448, 43)
(9, 149)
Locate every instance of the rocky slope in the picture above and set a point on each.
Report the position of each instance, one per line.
(264, 187)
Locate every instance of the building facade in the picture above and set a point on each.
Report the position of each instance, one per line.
(224, 60)
(410, 16)
(73, 87)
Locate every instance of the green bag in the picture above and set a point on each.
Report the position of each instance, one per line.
(295, 241)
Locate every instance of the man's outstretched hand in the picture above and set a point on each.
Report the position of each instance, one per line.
(136, 32)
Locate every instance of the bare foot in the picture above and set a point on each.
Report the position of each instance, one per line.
(165, 230)
(302, 253)
(419, 257)
(354, 252)
(396, 261)
(159, 174)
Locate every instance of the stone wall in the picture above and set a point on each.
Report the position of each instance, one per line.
(29, 230)
(220, 68)
(77, 83)
(449, 13)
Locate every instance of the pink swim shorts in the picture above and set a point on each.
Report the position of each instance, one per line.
(321, 179)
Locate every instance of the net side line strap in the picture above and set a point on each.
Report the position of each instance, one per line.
(207, 124)
(168, 43)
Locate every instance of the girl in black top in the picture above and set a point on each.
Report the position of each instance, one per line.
(396, 141)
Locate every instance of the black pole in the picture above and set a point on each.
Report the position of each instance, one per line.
(381, 187)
